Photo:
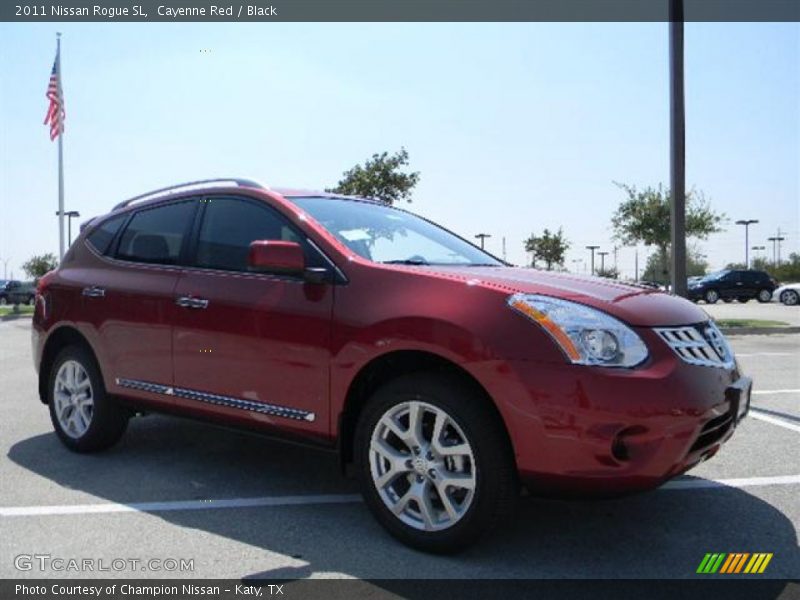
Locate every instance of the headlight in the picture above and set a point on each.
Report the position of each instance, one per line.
(586, 335)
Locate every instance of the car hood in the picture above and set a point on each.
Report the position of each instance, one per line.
(636, 305)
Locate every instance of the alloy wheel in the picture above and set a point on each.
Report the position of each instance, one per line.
(74, 399)
(422, 466)
(790, 298)
(764, 295)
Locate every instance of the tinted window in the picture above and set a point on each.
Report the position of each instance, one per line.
(156, 235)
(229, 225)
(750, 277)
(101, 237)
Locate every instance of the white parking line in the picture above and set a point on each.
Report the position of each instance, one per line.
(741, 354)
(756, 414)
(110, 507)
(768, 392)
(692, 484)
(80, 509)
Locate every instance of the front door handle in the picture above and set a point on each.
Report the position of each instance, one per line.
(94, 292)
(190, 302)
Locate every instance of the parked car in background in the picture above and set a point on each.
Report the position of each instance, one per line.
(16, 292)
(441, 375)
(731, 284)
(788, 294)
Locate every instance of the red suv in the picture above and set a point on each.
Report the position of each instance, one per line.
(444, 377)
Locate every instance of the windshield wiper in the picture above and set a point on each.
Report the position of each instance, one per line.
(405, 261)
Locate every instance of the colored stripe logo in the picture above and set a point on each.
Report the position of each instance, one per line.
(734, 562)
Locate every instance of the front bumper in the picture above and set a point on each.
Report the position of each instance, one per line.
(612, 431)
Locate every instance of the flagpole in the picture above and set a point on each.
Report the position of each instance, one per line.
(60, 155)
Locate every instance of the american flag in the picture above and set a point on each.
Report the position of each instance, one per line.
(55, 112)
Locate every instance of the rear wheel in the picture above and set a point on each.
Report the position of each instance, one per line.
(434, 462)
(85, 418)
(711, 296)
(790, 298)
(764, 296)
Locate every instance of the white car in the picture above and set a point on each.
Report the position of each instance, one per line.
(788, 293)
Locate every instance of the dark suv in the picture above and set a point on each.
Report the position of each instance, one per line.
(442, 376)
(16, 292)
(731, 284)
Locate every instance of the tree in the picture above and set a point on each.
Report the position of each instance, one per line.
(549, 247)
(644, 217)
(38, 265)
(787, 272)
(696, 265)
(381, 178)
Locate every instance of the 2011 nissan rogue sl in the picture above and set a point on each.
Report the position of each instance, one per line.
(445, 378)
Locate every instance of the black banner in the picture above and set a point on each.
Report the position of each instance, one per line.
(394, 10)
(419, 589)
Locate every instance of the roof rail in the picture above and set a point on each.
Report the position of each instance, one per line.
(171, 189)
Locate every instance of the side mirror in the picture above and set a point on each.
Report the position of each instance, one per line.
(276, 257)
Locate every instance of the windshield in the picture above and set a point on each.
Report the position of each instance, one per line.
(716, 275)
(388, 235)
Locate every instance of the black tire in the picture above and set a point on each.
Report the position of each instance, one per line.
(790, 298)
(711, 296)
(496, 486)
(107, 421)
(764, 296)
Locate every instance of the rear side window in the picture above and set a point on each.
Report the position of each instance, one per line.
(101, 237)
(229, 225)
(156, 235)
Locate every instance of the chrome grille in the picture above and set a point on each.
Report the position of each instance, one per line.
(701, 344)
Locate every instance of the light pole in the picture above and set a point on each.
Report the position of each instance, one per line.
(576, 262)
(70, 214)
(5, 267)
(776, 242)
(482, 237)
(603, 261)
(756, 249)
(747, 223)
(677, 154)
(592, 249)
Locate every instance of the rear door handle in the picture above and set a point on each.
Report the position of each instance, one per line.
(189, 302)
(94, 292)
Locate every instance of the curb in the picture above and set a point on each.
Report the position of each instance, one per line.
(13, 317)
(758, 330)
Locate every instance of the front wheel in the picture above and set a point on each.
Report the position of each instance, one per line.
(764, 296)
(434, 462)
(84, 417)
(790, 298)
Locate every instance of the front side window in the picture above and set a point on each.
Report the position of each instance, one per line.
(156, 235)
(387, 235)
(230, 225)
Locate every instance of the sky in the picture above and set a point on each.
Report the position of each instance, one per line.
(513, 127)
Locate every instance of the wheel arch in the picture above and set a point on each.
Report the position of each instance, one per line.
(62, 337)
(382, 369)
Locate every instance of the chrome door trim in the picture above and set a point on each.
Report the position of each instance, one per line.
(219, 400)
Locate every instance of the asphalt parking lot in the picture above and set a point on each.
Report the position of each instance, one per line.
(240, 506)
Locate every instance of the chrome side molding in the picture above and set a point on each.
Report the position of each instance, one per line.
(228, 401)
